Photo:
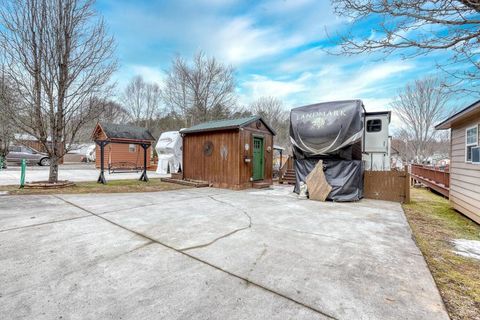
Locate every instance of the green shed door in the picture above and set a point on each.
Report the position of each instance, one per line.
(258, 162)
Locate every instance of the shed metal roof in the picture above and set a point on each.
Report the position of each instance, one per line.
(123, 131)
(225, 125)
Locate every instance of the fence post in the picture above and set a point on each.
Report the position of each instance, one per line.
(407, 185)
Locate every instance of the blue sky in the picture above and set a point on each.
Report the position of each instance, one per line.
(275, 46)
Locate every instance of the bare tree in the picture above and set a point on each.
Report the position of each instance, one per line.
(415, 27)
(273, 111)
(59, 57)
(6, 123)
(176, 90)
(420, 105)
(201, 91)
(113, 112)
(133, 98)
(143, 101)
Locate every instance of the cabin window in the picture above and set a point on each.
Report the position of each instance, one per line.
(374, 125)
(471, 141)
(132, 148)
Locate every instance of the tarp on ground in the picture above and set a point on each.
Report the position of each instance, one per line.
(345, 177)
(326, 129)
(169, 151)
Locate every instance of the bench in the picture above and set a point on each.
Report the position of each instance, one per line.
(123, 167)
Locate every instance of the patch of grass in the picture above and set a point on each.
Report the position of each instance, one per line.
(435, 224)
(113, 186)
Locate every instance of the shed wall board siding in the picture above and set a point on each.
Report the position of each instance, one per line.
(222, 172)
(230, 172)
(464, 177)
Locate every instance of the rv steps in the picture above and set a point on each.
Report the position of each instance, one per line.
(190, 183)
(289, 177)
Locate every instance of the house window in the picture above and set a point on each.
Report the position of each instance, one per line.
(132, 148)
(374, 125)
(471, 141)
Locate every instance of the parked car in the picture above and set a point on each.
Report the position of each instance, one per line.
(17, 153)
(87, 150)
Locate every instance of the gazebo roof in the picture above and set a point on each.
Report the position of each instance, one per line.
(115, 131)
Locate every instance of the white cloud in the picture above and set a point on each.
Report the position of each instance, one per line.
(148, 73)
(241, 41)
(260, 86)
(374, 83)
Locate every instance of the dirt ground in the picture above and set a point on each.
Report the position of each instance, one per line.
(113, 186)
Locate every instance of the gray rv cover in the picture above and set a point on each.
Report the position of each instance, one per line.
(325, 128)
(345, 177)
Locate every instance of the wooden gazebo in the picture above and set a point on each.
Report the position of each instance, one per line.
(118, 135)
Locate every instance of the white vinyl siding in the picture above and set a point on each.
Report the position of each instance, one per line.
(465, 176)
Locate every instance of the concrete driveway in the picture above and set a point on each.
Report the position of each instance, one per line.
(72, 172)
(210, 254)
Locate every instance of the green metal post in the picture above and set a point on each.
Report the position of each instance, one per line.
(22, 175)
(1, 163)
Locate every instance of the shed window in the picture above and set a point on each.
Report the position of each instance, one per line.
(132, 148)
(471, 141)
(374, 125)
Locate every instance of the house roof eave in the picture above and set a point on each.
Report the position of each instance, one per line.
(458, 116)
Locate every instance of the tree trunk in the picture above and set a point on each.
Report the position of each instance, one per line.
(53, 174)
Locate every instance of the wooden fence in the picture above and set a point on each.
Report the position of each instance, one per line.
(387, 185)
(433, 177)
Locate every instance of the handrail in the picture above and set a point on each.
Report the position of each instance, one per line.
(287, 165)
(434, 174)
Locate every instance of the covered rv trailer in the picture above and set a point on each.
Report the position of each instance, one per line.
(169, 150)
(376, 141)
(331, 132)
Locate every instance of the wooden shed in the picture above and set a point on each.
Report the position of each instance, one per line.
(234, 154)
(464, 191)
(124, 148)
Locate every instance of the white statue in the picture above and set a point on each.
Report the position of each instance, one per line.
(302, 195)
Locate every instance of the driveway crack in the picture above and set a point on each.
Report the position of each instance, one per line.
(225, 235)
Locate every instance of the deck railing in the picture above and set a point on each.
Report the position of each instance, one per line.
(434, 177)
(435, 174)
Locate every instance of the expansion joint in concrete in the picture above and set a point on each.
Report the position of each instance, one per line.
(44, 223)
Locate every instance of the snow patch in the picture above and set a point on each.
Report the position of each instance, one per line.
(467, 248)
